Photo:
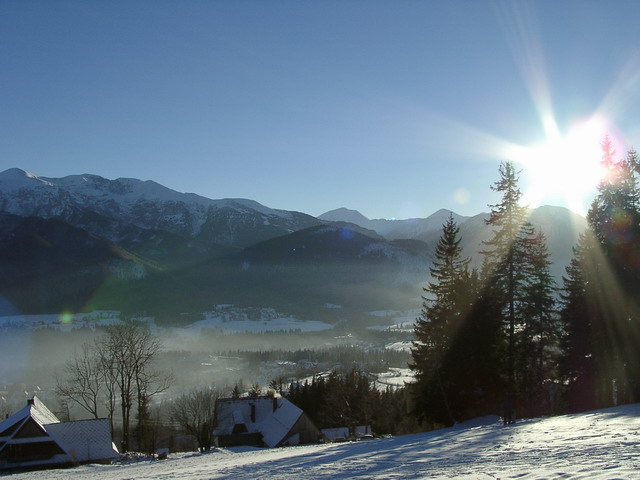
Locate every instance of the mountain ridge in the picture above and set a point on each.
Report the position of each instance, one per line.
(182, 251)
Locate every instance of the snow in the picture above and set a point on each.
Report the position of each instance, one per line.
(237, 320)
(258, 207)
(597, 445)
(402, 321)
(128, 198)
(392, 228)
(394, 378)
(399, 346)
(273, 424)
(15, 179)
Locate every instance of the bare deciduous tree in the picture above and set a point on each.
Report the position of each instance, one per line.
(83, 378)
(130, 350)
(195, 412)
(119, 367)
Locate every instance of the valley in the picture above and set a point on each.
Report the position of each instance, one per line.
(228, 346)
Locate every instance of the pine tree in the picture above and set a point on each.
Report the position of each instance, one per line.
(485, 346)
(614, 218)
(506, 255)
(235, 393)
(578, 366)
(444, 308)
(516, 272)
(614, 215)
(538, 335)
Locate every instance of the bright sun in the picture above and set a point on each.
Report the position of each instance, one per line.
(564, 169)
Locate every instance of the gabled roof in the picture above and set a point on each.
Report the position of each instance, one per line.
(276, 427)
(33, 409)
(84, 440)
(273, 417)
(50, 441)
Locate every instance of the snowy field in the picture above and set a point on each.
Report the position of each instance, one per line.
(395, 378)
(598, 445)
(397, 320)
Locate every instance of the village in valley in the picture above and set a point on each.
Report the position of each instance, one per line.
(258, 374)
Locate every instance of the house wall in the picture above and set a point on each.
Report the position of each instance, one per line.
(239, 439)
(304, 431)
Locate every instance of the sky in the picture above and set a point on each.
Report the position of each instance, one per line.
(392, 108)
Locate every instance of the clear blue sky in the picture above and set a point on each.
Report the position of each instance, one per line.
(393, 108)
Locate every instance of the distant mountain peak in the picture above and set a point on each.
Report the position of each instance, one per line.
(16, 178)
(344, 215)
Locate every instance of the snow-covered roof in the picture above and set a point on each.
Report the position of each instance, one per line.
(80, 441)
(276, 426)
(34, 409)
(84, 440)
(274, 417)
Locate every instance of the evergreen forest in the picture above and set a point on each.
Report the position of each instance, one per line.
(506, 333)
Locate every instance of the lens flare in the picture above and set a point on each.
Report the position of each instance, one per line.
(462, 196)
(564, 168)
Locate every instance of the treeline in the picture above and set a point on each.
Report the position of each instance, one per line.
(345, 355)
(349, 399)
(506, 330)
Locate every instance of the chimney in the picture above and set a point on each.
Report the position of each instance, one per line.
(31, 401)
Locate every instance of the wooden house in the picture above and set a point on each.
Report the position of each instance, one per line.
(35, 438)
(266, 421)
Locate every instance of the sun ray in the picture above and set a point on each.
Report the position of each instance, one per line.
(518, 23)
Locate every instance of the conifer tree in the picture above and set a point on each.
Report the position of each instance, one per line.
(538, 335)
(505, 255)
(517, 274)
(578, 366)
(444, 308)
(614, 218)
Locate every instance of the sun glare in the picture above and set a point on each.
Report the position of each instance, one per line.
(564, 169)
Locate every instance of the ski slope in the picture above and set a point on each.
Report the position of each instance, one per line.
(595, 445)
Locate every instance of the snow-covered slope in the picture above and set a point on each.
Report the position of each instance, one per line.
(597, 445)
(145, 204)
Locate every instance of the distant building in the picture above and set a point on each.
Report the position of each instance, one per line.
(35, 438)
(262, 422)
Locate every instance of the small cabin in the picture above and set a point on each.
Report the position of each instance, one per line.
(35, 438)
(265, 421)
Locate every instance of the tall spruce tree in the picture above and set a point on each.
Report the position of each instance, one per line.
(517, 274)
(614, 218)
(579, 318)
(506, 254)
(538, 335)
(445, 303)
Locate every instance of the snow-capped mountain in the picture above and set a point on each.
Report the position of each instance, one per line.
(395, 229)
(95, 203)
(146, 247)
(560, 225)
